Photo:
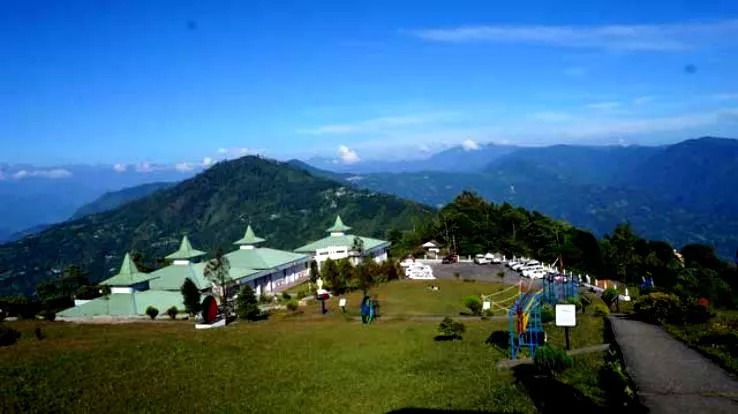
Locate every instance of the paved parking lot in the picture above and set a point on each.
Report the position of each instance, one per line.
(477, 272)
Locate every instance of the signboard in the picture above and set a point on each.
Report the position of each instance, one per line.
(486, 305)
(566, 315)
(342, 302)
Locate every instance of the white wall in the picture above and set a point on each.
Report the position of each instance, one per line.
(121, 289)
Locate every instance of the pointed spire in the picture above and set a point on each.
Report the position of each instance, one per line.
(249, 238)
(338, 226)
(128, 267)
(185, 250)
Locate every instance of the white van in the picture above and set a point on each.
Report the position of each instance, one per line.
(480, 259)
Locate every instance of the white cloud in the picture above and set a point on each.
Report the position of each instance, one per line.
(120, 167)
(646, 37)
(604, 105)
(52, 173)
(346, 155)
(184, 167)
(378, 124)
(575, 71)
(470, 145)
(238, 152)
(207, 161)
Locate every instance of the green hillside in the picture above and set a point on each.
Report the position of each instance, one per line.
(115, 199)
(286, 205)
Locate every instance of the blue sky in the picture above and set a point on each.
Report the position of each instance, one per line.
(173, 81)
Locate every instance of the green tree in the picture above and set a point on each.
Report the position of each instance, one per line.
(357, 247)
(314, 274)
(190, 297)
(247, 307)
(330, 274)
(620, 252)
(217, 270)
(346, 272)
(366, 273)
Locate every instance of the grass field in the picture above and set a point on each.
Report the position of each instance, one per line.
(289, 364)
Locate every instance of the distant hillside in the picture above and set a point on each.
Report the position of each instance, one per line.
(681, 193)
(115, 199)
(285, 205)
(455, 159)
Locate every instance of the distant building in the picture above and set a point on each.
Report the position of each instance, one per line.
(340, 245)
(433, 248)
(131, 292)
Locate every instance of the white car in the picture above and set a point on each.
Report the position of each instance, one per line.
(537, 274)
(527, 271)
(480, 259)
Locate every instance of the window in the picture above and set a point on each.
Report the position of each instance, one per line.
(284, 272)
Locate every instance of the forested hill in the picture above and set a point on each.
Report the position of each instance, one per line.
(286, 205)
(115, 199)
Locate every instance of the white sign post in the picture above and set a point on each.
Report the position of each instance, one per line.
(486, 305)
(566, 317)
(342, 304)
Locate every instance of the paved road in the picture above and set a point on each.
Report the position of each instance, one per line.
(671, 377)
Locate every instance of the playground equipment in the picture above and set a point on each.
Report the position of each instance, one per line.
(526, 328)
(368, 310)
(559, 288)
(503, 299)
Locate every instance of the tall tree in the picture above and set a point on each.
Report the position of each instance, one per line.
(620, 252)
(365, 274)
(330, 274)
(314, 273)
(190, 297)
(217, 270)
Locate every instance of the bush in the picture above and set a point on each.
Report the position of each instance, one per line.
(550, 360)
(501, 274)
(263, 298)
(172, 312)
(614, 382)
(599, 309)
(474, 304)
(547, 314)
(659, 308)
(247, 306)
(292, 305)
(301, 293)
(152, 312)
(449, 328)
(457, 275)
(48, 314)
(8, 336)
(286, 296)
(698, 311)
(609, 296)
(574, 301)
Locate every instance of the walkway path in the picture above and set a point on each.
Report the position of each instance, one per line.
(671, 377)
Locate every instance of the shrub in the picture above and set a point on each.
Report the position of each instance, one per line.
(152, 312)
(547, 314)
(172, 312)
(263, 298)
(246, 304)
(449, 328)
(698, 311)
(48, 314)
(474, 304)
(292, 305)
(457, 275)
(8, 336)
(614, 382)
(301, 293)
(286, 296)
(658, 307)
(550, 360)
(609, 296)
(190, 297)
(599, 309)
(575, 301)
(501, 274)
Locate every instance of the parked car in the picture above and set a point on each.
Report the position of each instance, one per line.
(528, 270)
(537, 274)
(480, 259)
(450, 259)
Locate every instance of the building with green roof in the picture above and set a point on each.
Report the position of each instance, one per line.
(273, 270)
(131, 291)
(340, 245)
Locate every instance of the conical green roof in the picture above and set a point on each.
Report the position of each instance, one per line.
(338, 226)
(249, 238)
(185, 251)
(128, 267)
(128, 274)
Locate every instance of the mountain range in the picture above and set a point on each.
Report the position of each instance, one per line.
(285, 205)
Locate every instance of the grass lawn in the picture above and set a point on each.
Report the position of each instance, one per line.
(287, 364)
(413, 298)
